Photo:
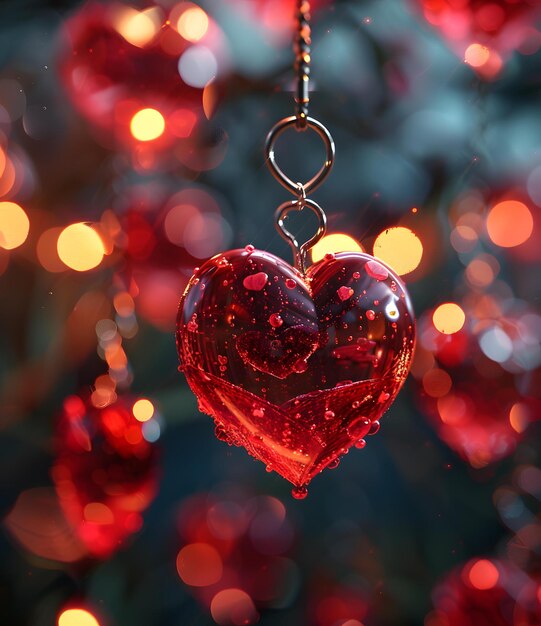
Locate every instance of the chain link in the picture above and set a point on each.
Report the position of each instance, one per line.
(301, 48)
(300, 121)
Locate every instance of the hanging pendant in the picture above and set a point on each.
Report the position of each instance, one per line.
(296, 364)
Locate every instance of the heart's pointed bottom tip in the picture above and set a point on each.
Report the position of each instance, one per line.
(299, 493)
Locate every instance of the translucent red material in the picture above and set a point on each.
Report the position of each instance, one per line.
(294, 368)
(104, 473)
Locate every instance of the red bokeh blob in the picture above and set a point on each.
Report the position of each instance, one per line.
(163, 237)
(105, 473)
(115, 61)
(486, 593)
(485, 32)
(234, 556)
(479, 386)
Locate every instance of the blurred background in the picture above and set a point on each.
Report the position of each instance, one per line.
(131, 150)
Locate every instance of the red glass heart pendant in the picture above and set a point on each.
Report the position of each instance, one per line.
(297, 369)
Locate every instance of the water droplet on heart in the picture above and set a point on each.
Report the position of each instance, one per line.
(361, 444)
(344, 293)
(258, 412)
(225, 283)
(249, 248)
(356, 275)
(180, 368)
(275, 320)
(376, 302)
(255, 282)
(222, 360)
(192, 324)
(328, 415)
(300, 366)
(355, 405)
(268, 468)
(376, 270)
(358, 427)
(334, 463)
(329, 256)
(384, 396)
(374, 428)
(221, 433)
(297, 416)
(299, 493)
(370, 315)
(290, 283)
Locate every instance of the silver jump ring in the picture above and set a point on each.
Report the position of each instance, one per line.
(299, 251)
(275, 169)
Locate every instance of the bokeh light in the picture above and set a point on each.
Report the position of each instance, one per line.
(483, 575)
(509, 223)
(193, 24)
(519, 417)
(143, 410)
(77, 617)
(47, 252)
(138, 27)
(482, 270)
(2, 160)
(333, 243)
(103, 500)
(80, 247)
(437, 383)
(14, 225)
(448, 318)
(147, 125)
(199, 565)
(198, 66)
(400, 248)
(476, 55)
(233, 607)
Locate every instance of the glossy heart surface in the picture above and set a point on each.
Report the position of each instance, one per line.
(295, 369)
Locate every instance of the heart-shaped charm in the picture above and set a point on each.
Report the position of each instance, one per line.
(297, 369)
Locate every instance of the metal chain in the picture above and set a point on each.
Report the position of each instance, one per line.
(300, 121)
(301, 48)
